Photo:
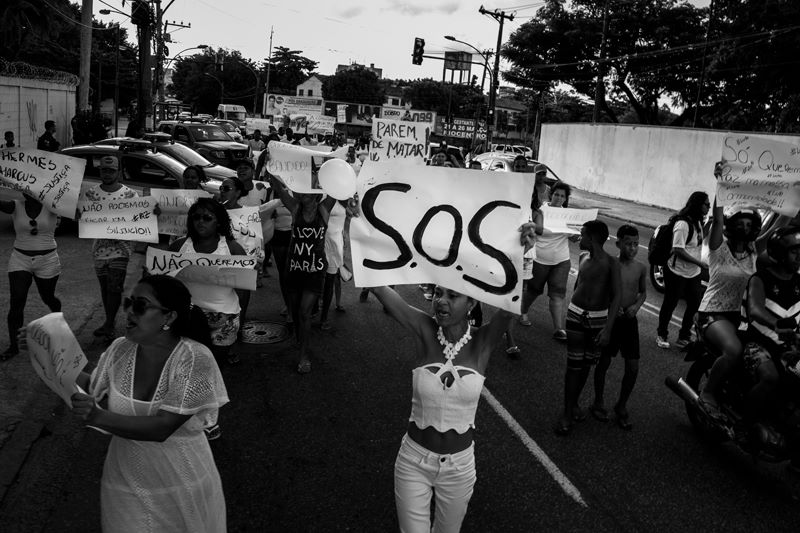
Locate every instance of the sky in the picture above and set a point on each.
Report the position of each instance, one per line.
(341, 31)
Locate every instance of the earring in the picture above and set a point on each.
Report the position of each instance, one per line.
(165, 327)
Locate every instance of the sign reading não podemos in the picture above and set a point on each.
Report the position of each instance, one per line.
(760, 172)
(130, 219)
(53, 179)
(454, 227)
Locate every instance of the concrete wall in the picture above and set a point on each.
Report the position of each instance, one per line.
(651, 165)
(26, 104)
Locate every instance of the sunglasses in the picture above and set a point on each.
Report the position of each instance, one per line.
(205, 218)
(139, 306)
(225, 188)
(34, 227)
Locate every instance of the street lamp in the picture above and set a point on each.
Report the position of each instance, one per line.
(221, 87)
(173, 58)
(492, 88)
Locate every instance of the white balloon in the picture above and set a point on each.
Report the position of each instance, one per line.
(337, 178)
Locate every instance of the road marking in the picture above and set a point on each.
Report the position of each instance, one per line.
(567, 486)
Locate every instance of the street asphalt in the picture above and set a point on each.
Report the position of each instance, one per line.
(316, 452)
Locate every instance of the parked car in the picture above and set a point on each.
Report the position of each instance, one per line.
(512, 149)
(141, 166)
(209, 140)
(163, 143)
(503, 162)
(230, 127)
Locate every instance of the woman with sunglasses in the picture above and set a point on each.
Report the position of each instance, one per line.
(209, 232)
(34, 258)
(155, 390)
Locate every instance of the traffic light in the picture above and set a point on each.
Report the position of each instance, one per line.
(141, 14)
(419, 49)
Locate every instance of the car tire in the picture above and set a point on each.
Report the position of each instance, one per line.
(657, 277)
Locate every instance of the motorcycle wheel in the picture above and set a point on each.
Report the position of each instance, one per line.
(696, 378)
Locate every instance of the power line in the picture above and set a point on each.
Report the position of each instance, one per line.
(73, 21)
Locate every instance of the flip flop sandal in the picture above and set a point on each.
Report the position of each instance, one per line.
(623, 422)
(599, 413)
(304, 367)
(579, 415)
(525, 321)
(513, 352)
(562, 429)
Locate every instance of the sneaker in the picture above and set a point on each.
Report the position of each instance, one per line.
(662, 342)
(682, 343)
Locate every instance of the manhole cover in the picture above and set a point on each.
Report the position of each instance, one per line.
(264, 332)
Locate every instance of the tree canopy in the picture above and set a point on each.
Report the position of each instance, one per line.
(655, 50)
(447, 99)
(289, 69)
(357, 85)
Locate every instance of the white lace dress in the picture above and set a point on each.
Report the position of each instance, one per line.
(170, 486)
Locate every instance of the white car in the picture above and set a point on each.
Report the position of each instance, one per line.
(513, 149)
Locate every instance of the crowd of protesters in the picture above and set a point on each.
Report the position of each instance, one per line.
(161, 427)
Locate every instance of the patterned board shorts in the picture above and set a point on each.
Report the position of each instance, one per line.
(112, 272)
(582, 329)
(224, 327)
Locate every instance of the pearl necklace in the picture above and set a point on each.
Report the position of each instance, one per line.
(450, 349)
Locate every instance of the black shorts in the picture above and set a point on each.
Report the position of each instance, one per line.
(281, 238)
(624, 338)
(299, 282)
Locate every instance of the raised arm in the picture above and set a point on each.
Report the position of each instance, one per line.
(288, 200)
(717, 227)
(409, 317)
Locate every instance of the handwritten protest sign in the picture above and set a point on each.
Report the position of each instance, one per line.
(566, 219)
(247, 229)
(320, 124)
(760, 172)
(174, 205)
(237, 271)
(131, 219)
(396, 139)
(53, 179)
(454, 227)
(292, 164)
(55, 354)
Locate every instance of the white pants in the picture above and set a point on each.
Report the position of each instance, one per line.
(417, 473)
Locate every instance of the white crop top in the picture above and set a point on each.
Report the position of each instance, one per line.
(46, 223)
(434, 403)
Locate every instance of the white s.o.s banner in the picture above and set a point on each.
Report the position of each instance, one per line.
(454, 227)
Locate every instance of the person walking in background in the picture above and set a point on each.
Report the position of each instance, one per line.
(334, 252)
(625, 333)
(47, 141)
(682, 275)
(34, 258)
(551, 267)
(111, 256)
(155, 390)
(256, 144)
(8, 139)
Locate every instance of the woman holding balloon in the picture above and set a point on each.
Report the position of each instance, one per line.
(307, 263)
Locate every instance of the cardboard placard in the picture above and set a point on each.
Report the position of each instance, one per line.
(237, 271)
(55, 354)
(129, 219)
(174, 205)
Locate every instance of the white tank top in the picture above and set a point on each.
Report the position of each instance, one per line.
(45, 226)
(213, 298)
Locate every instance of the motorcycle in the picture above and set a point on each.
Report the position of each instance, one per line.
(775, 437)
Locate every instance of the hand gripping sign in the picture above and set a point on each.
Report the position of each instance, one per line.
(759, 172)
(453, 227)
(55, 354)
(53, 179)
(129, 219)
(566, 219)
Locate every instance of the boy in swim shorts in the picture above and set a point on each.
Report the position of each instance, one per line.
(590, 317)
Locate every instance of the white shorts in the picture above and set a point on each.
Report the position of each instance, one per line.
(41, 266)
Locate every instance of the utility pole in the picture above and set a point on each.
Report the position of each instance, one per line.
(703, 67)
(269, 67)
(86, 55)
(116, 85)
(162, 51)
(500, 17)
(598, 88)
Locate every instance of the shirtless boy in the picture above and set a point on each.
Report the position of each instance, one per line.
(590, 317)
(625, 333)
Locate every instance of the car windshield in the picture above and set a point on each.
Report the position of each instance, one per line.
(185, 154)
(208, 132)
(227, 126)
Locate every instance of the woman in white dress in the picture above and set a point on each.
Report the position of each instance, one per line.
(155, 390)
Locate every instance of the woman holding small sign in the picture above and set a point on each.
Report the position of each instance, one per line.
(155, 390)
(33, 259)
(209, 232)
